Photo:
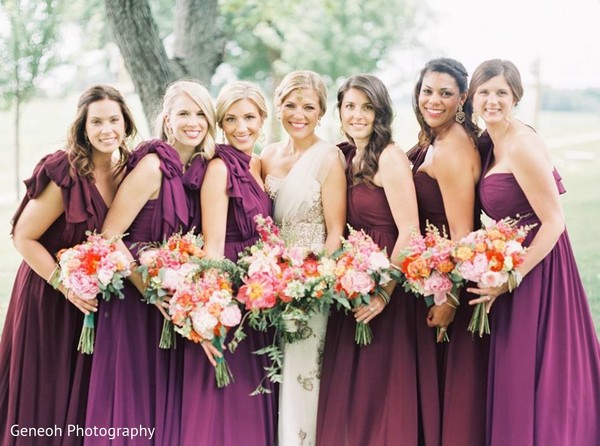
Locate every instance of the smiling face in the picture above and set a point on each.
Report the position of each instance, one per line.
(493, 100)
(439, 98)
(241, 125)
(300, 113)
(357, 115)
(187, 121)
(105, 125)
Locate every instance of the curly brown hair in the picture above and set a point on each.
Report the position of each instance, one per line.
(381, 137)
(79, 148)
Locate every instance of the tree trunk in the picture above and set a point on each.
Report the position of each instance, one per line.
(199, 41)
(199, 46)
(136, 34)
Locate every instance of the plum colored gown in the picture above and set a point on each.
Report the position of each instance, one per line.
(544, 369)
(134, 382)
(452, 376)
(43, 379)
(368, 393)
(230, 416)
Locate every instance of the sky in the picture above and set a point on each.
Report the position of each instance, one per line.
(563, 34)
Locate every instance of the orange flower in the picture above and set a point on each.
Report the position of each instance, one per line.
(496, 260)
(446, 266)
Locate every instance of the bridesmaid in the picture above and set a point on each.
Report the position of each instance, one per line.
(134, 382)
(369, 393)
(544, 368)
(231, 195)
(43, 379)
(446, 168)
(306, 178)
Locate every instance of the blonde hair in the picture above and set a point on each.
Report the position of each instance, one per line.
(200, 95)
(302, 79)
(231, 93)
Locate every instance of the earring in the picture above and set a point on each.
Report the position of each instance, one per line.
(460, 115)
(261, 137)
(475, 119)
(170, 136)
(319, 123)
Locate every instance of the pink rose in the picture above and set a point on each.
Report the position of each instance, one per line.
(492, 279)
(357, 282)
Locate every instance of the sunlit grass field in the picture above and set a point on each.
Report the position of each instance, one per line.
(570, 137)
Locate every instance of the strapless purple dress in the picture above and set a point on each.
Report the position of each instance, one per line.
(544, 369)
(452, 376)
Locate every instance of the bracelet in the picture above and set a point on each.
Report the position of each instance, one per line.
(514, 280)
(385, 296)
(54, 276)
(450, 305)
(133, 265)
(454, 299)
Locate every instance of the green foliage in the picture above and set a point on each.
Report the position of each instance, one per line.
(28, 46)
(269, 38)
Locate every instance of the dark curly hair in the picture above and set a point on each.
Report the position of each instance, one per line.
(381, 137)
(455, 69)
(79, 148)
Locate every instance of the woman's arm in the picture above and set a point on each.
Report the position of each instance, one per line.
(530, 163)
(395, 177)
(333, 196)
(456, 165)
(141, 185)
(214, 203)
(39, 214)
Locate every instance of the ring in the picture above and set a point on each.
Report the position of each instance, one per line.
(488, 298)
(371, 309)
(443, 328)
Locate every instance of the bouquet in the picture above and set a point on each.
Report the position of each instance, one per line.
(281, 287)
(361, 269)
(428, 268)
(164, 266)
(488, 257)
(203, 308)
(93, 267)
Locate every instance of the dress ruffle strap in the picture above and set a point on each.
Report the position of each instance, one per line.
(174, 213)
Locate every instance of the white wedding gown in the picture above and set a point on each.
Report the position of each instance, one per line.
(298, 211)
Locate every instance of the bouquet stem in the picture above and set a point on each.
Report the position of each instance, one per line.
(479, 321)
(86, 340)
(222, 373)
(363, 334)
(167, 336)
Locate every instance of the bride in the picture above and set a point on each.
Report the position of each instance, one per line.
(305, 177)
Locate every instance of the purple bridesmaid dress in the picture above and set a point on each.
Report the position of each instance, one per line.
(452, 376)
(544, 369)
(230, 416)
(134, 383)
(368, 394)
(43, 379)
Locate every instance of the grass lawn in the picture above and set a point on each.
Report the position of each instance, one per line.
(45, 123)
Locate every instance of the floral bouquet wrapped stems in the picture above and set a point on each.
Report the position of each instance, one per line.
(164, 266)
(428, 269)
(93, 267)
(203, 309)
(281, 287)
(361, 269)
(489, 257)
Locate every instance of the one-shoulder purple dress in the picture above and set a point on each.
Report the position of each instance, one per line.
(452, 376)
(43, 379)
(544, 369)
(134, 383)
(368, 394)
(230, 416)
